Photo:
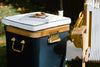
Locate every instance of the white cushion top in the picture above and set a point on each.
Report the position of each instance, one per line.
(29, 20)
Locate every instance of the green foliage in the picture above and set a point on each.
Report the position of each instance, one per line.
(5, 11)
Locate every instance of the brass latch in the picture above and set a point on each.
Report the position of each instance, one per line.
(54, 37)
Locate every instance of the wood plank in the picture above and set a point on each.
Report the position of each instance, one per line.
(84, 49)
(37, 34)
(90, 26)
(93, 61)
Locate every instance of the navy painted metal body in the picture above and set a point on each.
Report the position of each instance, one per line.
(37, 52)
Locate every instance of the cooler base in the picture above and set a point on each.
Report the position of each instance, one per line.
(36, 53)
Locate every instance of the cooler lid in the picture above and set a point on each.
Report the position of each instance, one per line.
(28, 20)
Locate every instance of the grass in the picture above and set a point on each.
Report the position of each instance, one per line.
(3, 38)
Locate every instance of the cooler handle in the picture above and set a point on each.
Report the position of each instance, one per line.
(54, 37)
(13, 44)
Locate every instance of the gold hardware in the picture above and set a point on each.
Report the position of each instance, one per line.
(79, 29)
(54, 37)
(77, 36)
(13, 39)
(79, 21)
(23, 42)
(86, 57)
(13, 44)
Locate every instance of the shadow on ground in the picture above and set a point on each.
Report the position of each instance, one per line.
(78, 63)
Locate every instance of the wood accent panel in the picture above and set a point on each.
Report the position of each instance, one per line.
(90, 28)
(37, 34)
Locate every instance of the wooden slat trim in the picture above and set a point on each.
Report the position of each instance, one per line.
(93, 61)
(37, 34)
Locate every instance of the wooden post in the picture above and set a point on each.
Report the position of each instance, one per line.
(61, 4)
(87, 38)
(85, 41)
(84, 49)
(85, 35)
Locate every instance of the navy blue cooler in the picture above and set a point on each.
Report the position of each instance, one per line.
(35, 48)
